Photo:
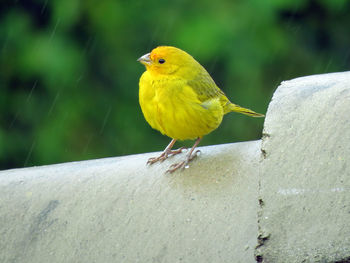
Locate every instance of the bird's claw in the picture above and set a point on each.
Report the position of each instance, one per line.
(153, 160)
(177, 151)
(183, 164)
(176, 166)
(165, 155)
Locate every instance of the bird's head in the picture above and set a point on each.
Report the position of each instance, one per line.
(167, 60)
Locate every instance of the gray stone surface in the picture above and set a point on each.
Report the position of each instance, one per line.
(305, 175)
(119, 210)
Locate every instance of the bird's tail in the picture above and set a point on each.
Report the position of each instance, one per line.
(236, 108)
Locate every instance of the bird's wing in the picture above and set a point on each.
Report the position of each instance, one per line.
(205, 87)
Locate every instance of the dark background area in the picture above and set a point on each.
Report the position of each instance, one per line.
(69, 76)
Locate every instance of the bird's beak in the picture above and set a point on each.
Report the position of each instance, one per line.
(145, 59)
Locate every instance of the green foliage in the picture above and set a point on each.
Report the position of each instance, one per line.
(69, 76)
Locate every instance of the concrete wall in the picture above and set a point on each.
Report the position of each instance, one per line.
(119, 210)
(305, 174)
(283, 199)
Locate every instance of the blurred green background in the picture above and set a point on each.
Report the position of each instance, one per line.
(69, 76)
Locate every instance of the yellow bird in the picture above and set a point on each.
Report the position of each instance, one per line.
(180, 99)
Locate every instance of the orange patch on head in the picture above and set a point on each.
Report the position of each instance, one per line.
(159, 52)
(154, 56)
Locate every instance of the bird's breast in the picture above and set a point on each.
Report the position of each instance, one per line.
(173, 108)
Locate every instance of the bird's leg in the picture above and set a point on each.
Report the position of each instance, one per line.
(165, 154)
(190, 157)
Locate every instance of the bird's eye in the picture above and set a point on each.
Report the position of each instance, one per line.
(161, 61)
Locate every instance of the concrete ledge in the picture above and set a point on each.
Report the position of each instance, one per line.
(283, 199)
(305, 175)
(119, 210)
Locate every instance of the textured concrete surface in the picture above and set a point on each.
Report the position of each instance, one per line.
(119, 210)
(305, 175)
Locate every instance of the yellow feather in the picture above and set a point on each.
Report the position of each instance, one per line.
(180, 99)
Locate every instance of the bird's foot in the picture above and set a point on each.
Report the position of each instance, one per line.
(183, 164)
(165, 155)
